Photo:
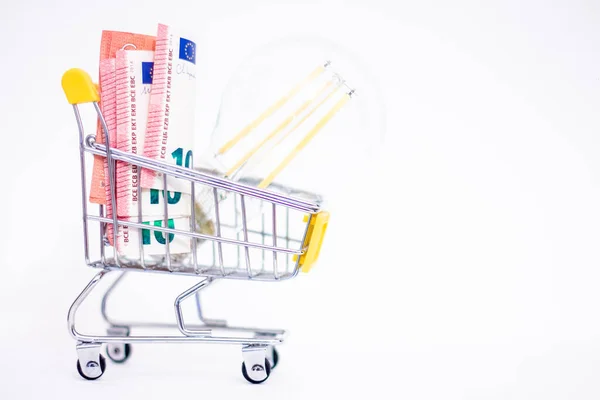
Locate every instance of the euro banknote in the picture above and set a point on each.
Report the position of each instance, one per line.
(170, 128)
(134, 75)
(153, 243)
(111, 42)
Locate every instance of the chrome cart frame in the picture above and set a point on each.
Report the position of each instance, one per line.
(289, 252)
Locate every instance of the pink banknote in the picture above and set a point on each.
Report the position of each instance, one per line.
(170, 129)
(112, 42)
(134, 80)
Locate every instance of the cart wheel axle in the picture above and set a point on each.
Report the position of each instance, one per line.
(118, 352)
(257, 368)
(93, 370)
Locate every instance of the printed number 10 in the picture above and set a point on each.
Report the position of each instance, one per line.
(159, 236)
(172, 197)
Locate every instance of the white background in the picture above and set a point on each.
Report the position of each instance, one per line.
(462, 262)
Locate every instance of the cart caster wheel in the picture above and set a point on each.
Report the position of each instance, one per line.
(257, 368)
(93, 370)
(275, 356)
(118, 352)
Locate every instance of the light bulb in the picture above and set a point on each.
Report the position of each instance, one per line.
(294, 113)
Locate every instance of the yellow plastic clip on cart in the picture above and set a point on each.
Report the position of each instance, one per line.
(276, 250)
(314, 240)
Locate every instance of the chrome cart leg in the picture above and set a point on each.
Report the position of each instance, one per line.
(208, 322)
(179, 314)
(118, 352)
(82, 296)
(107, 294)
(256, 368)
(90, 363)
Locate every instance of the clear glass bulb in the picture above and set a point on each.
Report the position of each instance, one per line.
(295, 112)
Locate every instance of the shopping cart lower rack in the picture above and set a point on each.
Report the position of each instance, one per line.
(283, 238)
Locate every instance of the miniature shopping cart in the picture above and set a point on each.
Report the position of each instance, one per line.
(269, 247)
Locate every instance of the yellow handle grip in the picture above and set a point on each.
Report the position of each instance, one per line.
(79, 87)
